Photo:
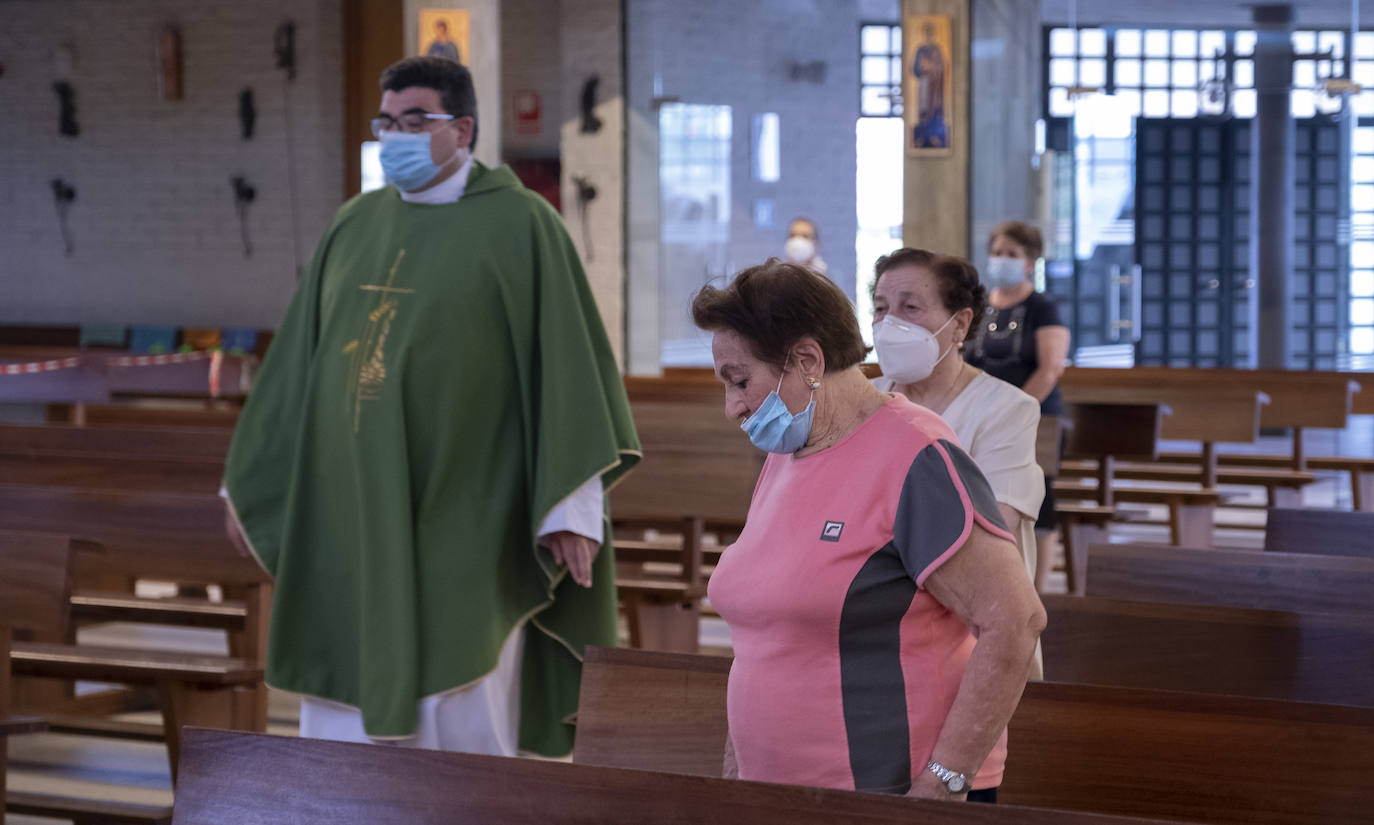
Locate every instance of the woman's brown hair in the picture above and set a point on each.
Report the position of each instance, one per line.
(958, 280)
(1023, 235)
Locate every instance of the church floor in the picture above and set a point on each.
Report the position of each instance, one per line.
(137, 772)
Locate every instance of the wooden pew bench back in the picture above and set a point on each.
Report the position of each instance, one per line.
(1111, 750)
(246, 779)
(1296, 398)
(1296, 657)
(209, 445)
(696, 461)
(1231, 578)
(1320, 532)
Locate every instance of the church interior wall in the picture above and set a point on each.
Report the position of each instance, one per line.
(756, 57)
(532, 60)
(154, 225)
(593, 154)
(484, 21)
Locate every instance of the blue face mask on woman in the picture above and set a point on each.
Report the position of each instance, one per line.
(774, 428)
(406, 161)
(1004, 273)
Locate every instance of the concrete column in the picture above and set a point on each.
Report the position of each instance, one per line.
(1272, 196)
(936, 203)
(1005, 92)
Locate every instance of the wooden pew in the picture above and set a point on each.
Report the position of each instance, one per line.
(1322, 532)
(35, 583)
(251, 778)
(165, 413)
(1182, 756)
(1188, 756)
(135, 459)
(104, 473)
(172, 537)
(697, 477)
(1109, 433)
(1295, 657)
(1212, 408)
(1080, 523)
(1210, 414)
(1299, 400)
(1363, 403)
(208, 446)
(1232, 578)
(1359, 470)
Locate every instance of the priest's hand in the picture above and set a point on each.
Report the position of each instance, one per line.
(576, 551)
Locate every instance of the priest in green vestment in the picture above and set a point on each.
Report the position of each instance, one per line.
(422, 464)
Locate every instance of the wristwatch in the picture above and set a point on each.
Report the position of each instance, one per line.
(954, 782)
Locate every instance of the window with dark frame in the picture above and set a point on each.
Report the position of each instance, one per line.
(880, 70)
(1180, 73)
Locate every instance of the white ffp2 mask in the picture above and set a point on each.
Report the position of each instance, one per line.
(908, 352)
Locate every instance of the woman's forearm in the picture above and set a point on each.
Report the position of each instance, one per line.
(1041, 382)
(991, 687)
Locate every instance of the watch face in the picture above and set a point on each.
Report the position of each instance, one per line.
(957, 784)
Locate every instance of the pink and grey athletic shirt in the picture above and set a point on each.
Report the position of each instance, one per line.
(845, 667)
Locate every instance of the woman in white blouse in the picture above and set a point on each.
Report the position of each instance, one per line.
(923, 310)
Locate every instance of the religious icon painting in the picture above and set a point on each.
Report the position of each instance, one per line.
(444, 33)
(928, 83)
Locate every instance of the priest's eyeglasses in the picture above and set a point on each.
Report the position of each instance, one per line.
(411, 122)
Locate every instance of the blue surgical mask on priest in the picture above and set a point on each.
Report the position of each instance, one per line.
(422, 144)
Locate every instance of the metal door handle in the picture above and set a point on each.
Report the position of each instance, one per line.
(1116, 323)
(1114, 304)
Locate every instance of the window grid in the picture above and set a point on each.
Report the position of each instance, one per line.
(1185, 73)
(880, 70)
(1180, 73)
(1361, 319)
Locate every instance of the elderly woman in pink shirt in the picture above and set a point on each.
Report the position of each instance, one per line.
(881, 617)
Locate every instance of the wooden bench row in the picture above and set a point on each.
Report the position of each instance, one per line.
(1093, 749)
(1089, 748)
(1213, 406)
(235, 778)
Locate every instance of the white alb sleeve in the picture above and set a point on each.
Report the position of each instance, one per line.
(581, 513)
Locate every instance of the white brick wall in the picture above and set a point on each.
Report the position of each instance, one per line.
(156, 232)
(591, 45)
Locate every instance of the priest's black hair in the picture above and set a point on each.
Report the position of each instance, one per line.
(451, 80)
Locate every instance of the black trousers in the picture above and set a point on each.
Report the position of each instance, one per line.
(988, 795)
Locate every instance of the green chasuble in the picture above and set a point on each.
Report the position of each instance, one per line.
(441, 382)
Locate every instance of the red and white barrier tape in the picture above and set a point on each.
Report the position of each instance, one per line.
(39, 366)
(151, 360)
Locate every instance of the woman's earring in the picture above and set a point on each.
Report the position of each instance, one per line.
(813, 382)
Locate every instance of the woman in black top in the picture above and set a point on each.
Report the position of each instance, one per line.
(1022, 341)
